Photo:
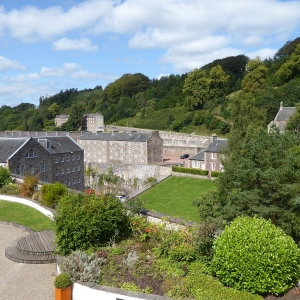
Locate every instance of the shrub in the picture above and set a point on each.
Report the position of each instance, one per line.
(62, 281)
(254, 255)
(85, 221)
(29, 185)
(215, 174)
(189, 171)
(10, 189)
(4, 176)
(51, 193)
(83, 267)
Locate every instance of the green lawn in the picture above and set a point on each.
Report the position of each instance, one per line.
(174, 196)
(24, 215)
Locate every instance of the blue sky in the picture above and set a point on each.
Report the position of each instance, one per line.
(53, 45)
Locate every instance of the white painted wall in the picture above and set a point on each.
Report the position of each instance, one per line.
(44, 211)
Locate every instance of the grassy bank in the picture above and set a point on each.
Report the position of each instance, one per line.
(175, 195)
(24, 215)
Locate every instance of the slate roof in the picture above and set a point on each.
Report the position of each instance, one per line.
(9, 146)
(217, 145)
(198, 156)
(61, 144)
(284, 114)
(116, 136)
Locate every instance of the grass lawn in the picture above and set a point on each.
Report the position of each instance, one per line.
(24, 215)
(174, 196)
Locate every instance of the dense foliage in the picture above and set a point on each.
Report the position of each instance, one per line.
(262, 178)
(86, 221)
(4, 176)
(254, 255)
(51, 193)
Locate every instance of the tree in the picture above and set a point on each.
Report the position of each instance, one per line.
(109, 183)
(291, 68)
(53, 109)
(256, 76)
(74, 123)
(293, 124)
(201, 87)
(262, 179)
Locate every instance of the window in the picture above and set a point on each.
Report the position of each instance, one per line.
(69, 182)
(31, 154)
(68, 158)
(31, 169)
(62, 172)
(56, 160)
(78, 157)
(56, 172)
(195, 164)
(73, 169)
(18, 170)
(213, 155)
(68, 170)
(62, 159)
(213, 166)
(43, 167)
(78, 180)
(74, 181)
(73, 157)
(78, 168)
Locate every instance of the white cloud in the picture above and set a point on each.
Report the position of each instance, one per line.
(83, 44)
(71, 66)
(52, 72)
(262, 53)
(6, 64)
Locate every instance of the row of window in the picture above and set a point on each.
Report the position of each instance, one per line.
(31, 154)
(62, 171)
(62, 158)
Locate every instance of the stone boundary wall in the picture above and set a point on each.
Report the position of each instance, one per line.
(193, 176)
(129, 173)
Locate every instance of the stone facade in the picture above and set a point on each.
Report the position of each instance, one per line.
(93, 122)
(210, 159)
(61, 119)
(52, 159)
(122, 148)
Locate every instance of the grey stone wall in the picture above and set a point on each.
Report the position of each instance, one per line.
(155, 148)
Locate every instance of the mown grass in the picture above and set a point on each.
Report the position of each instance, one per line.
(24, 215)
(174, 196)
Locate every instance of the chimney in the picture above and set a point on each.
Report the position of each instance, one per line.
(213, 138)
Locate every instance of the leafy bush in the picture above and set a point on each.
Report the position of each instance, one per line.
(10, 189)
(189, 171)
(51, 193)
(81, 266)
(4, 176)
(254, 255)
(85, 221)
(62, 281)
(29, 185)
(215, 174)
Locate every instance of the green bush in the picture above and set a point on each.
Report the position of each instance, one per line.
(51, 193)
(215, 174)
(85, 221)
(189, 171)
(254, 255)
(62, 281)
(4, 176)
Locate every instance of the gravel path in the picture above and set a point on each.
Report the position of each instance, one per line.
(23, 281)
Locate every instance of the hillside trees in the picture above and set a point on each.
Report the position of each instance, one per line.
(205, 89)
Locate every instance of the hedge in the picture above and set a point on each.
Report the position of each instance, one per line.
(189, 171)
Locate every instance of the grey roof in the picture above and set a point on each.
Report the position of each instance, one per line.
(9, 146)
(284, 114)
(198, 156)
(217, 145)
(61, 144)
(116, 136)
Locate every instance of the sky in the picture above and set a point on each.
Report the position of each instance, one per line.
(52, 45)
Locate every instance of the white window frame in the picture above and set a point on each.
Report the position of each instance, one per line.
(213, 166)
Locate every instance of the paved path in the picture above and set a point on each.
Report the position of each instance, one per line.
(23, 281)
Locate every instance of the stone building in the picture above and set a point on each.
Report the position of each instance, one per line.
(93, 122)
(61, 119)
(282, 117)
(122, 147)
(52, 159)
(210, 158)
